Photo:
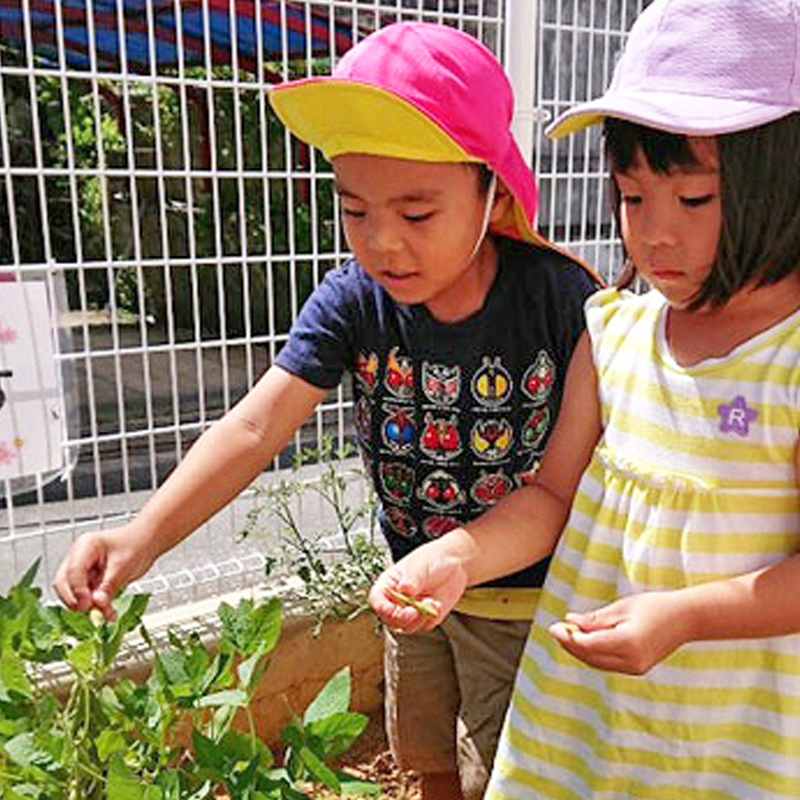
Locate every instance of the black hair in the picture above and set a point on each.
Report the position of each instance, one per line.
(485, 174)
(759, 240)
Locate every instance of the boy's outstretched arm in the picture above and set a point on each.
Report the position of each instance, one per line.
(520, 530)
(223, 462)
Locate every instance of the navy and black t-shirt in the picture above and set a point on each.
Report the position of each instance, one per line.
(449, 417)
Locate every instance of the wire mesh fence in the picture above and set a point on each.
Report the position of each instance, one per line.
(178, 228)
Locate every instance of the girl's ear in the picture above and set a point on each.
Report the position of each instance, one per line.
(503, 202)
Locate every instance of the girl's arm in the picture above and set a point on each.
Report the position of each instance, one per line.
(223, 461)
(520, 530)
(636, 632)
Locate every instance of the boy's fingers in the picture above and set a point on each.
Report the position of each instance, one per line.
(65, 594)
(426, 606)
(392, 611)
(101, 599)
(380, 602)
(71, 585)
(81, 568)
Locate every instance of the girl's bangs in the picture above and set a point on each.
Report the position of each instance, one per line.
(663, 151)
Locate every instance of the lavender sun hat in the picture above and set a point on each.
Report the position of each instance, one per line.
(702, 68)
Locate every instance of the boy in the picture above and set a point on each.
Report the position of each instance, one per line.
(457, 321)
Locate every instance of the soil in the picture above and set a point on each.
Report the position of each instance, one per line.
(370, 759)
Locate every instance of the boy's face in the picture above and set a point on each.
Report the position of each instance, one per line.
(414, 227)
(671, 222)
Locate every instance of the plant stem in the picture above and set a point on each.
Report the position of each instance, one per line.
(251, 724)
(89, 771)
(87, 710)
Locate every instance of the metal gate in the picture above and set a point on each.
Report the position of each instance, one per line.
(178, 229)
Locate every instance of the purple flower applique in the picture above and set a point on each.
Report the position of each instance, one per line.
(736, 416)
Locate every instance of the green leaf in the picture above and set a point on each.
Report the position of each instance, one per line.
(170, 783)
(76, 622)
(229, 697)
(110, 700)
(235, 622)
(21, 791)
(13, 678)
(197, 660)
(212, 672)
(27, 579)
(221, 720)
(249, 628)
(337, 732)
(124, 784)
(130, 610)
(205, 792)
(15, 613)
(205, 750)
(265, 628)
(108, 743)
(13, 720)
(351, 785)
(251, 670)
(46, 635)
(236, 750)
(27, 752)
(280, 790)
(318, 770)
(83, 656)
(333, 698)
(174, 666)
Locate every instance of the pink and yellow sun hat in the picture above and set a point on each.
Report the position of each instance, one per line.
(419, 91)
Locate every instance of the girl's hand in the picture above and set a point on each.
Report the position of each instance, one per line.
(630, 635)
(419, 591)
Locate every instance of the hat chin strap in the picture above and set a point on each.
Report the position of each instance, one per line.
(487, 213)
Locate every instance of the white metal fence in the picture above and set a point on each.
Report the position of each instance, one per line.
(179, 228)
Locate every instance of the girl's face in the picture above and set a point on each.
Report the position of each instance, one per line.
(671, 221)
(414, 227)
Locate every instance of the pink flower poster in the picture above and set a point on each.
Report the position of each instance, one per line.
(30, 400)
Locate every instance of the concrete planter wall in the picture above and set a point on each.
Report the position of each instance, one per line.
(302, 664)
(299, 667)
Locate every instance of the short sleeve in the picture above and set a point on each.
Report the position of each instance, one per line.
(320, 345)
(614, 317)
(600, 311)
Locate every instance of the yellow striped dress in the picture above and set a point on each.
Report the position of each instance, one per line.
(693, 480)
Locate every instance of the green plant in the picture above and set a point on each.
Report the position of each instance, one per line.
(108, 737)
(333, 579)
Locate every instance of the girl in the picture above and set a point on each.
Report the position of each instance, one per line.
(664, 656)
(456, 320)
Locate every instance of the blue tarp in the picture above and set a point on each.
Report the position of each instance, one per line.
(288, 26)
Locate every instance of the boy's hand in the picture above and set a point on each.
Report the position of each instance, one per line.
(418, 592)
(631, 635)
(96, 567)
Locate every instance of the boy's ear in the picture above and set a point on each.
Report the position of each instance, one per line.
(503, 202)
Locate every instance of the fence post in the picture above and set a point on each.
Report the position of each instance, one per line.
(521, 39)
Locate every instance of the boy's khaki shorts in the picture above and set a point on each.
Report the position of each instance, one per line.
(447, 691)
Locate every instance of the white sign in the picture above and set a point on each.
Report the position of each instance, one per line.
(30, 405)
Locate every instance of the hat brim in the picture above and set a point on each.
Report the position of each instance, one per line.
(343, 116)
(670, 111)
